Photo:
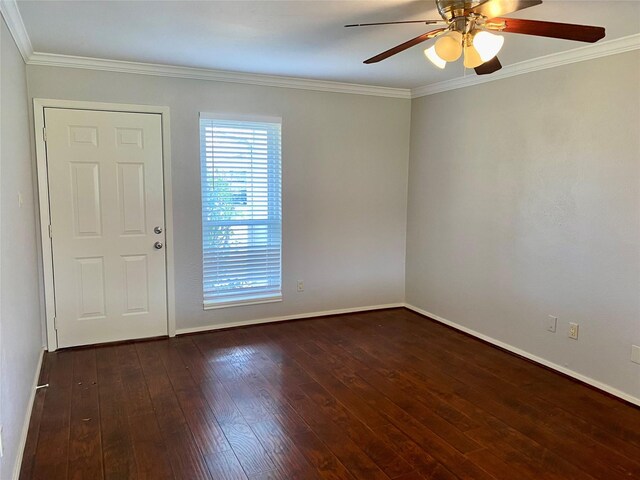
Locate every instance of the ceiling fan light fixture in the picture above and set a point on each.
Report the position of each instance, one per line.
(472, 58)
(449, 46)
(433, 57)
(487, 44)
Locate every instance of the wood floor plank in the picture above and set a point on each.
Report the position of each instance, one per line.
(425, 461)
(437, 446)
(526, 456)
(85, 444)
(318, 454)
(117, 440)
(408, 449)
(288, 459)
(604, 412)
(186, 461)
(378, 449)
(250, 452)
(416, 454)
(225, 466)
(206, 431)
(148, 444)
(378, 395)
(429, 410)
(500, 468)
(252, 455)
(272, 475)
(288, 428)
(350, 454)
(345, 449)
(381, 452)
(411, 476)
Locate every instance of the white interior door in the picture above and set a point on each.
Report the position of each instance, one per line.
(107, 225)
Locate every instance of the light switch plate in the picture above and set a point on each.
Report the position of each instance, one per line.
(552, 323)
(635, 354)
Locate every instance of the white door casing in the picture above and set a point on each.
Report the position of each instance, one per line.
(105, 176)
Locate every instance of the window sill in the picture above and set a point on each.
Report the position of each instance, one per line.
(240, 303)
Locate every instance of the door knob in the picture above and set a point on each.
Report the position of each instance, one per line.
(157, 245)
(158, 230)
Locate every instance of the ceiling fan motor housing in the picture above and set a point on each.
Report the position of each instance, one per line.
(450, 9)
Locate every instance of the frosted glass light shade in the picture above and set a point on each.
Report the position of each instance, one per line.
(449, 46)
(487, 44)
(472, 58)
(431, 54)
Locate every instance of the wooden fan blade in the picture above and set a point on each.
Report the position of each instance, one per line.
(426, 22)
(403, 46)
(497, 8)
(491, 66)
(566, 31)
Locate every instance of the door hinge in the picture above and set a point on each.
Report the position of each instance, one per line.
(50, 232)
(44, 133)
(55, 324)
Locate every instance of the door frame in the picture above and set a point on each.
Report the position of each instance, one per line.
(39, 104)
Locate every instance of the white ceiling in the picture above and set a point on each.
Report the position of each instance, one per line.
(300, 38)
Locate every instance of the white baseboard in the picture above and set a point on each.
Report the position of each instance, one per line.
(530, 356)
(27, 419)
(297, 316)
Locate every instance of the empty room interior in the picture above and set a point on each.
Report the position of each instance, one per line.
(320, 239)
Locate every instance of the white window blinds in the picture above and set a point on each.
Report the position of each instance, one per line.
(241, 210)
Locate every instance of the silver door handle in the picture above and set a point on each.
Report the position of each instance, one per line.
(157, 245)
(157, 230)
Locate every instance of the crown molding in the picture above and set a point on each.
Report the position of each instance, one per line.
(11, 15)
(596, 50)
(69, 61)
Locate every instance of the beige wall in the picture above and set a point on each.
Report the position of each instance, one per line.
(345, 160)
(20, 320)
(524, 201)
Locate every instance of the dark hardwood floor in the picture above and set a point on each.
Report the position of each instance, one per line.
(377, 395)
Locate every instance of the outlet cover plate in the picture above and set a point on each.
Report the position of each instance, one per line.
(573, 331)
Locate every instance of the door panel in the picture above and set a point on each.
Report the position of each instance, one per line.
(85, 186)
(90, 287)
(106, 196)
(131, 198)
(136, 280)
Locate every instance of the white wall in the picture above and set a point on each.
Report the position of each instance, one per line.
(524, 201)
(345, 160)
(20, 320)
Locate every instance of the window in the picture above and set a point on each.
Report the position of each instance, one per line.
(241, 210)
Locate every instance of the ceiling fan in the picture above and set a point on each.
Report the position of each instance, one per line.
(468, 29)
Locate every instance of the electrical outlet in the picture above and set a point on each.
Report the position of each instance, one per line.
(573, 331)
(300, 285)
(552, 323)
(635, 353)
